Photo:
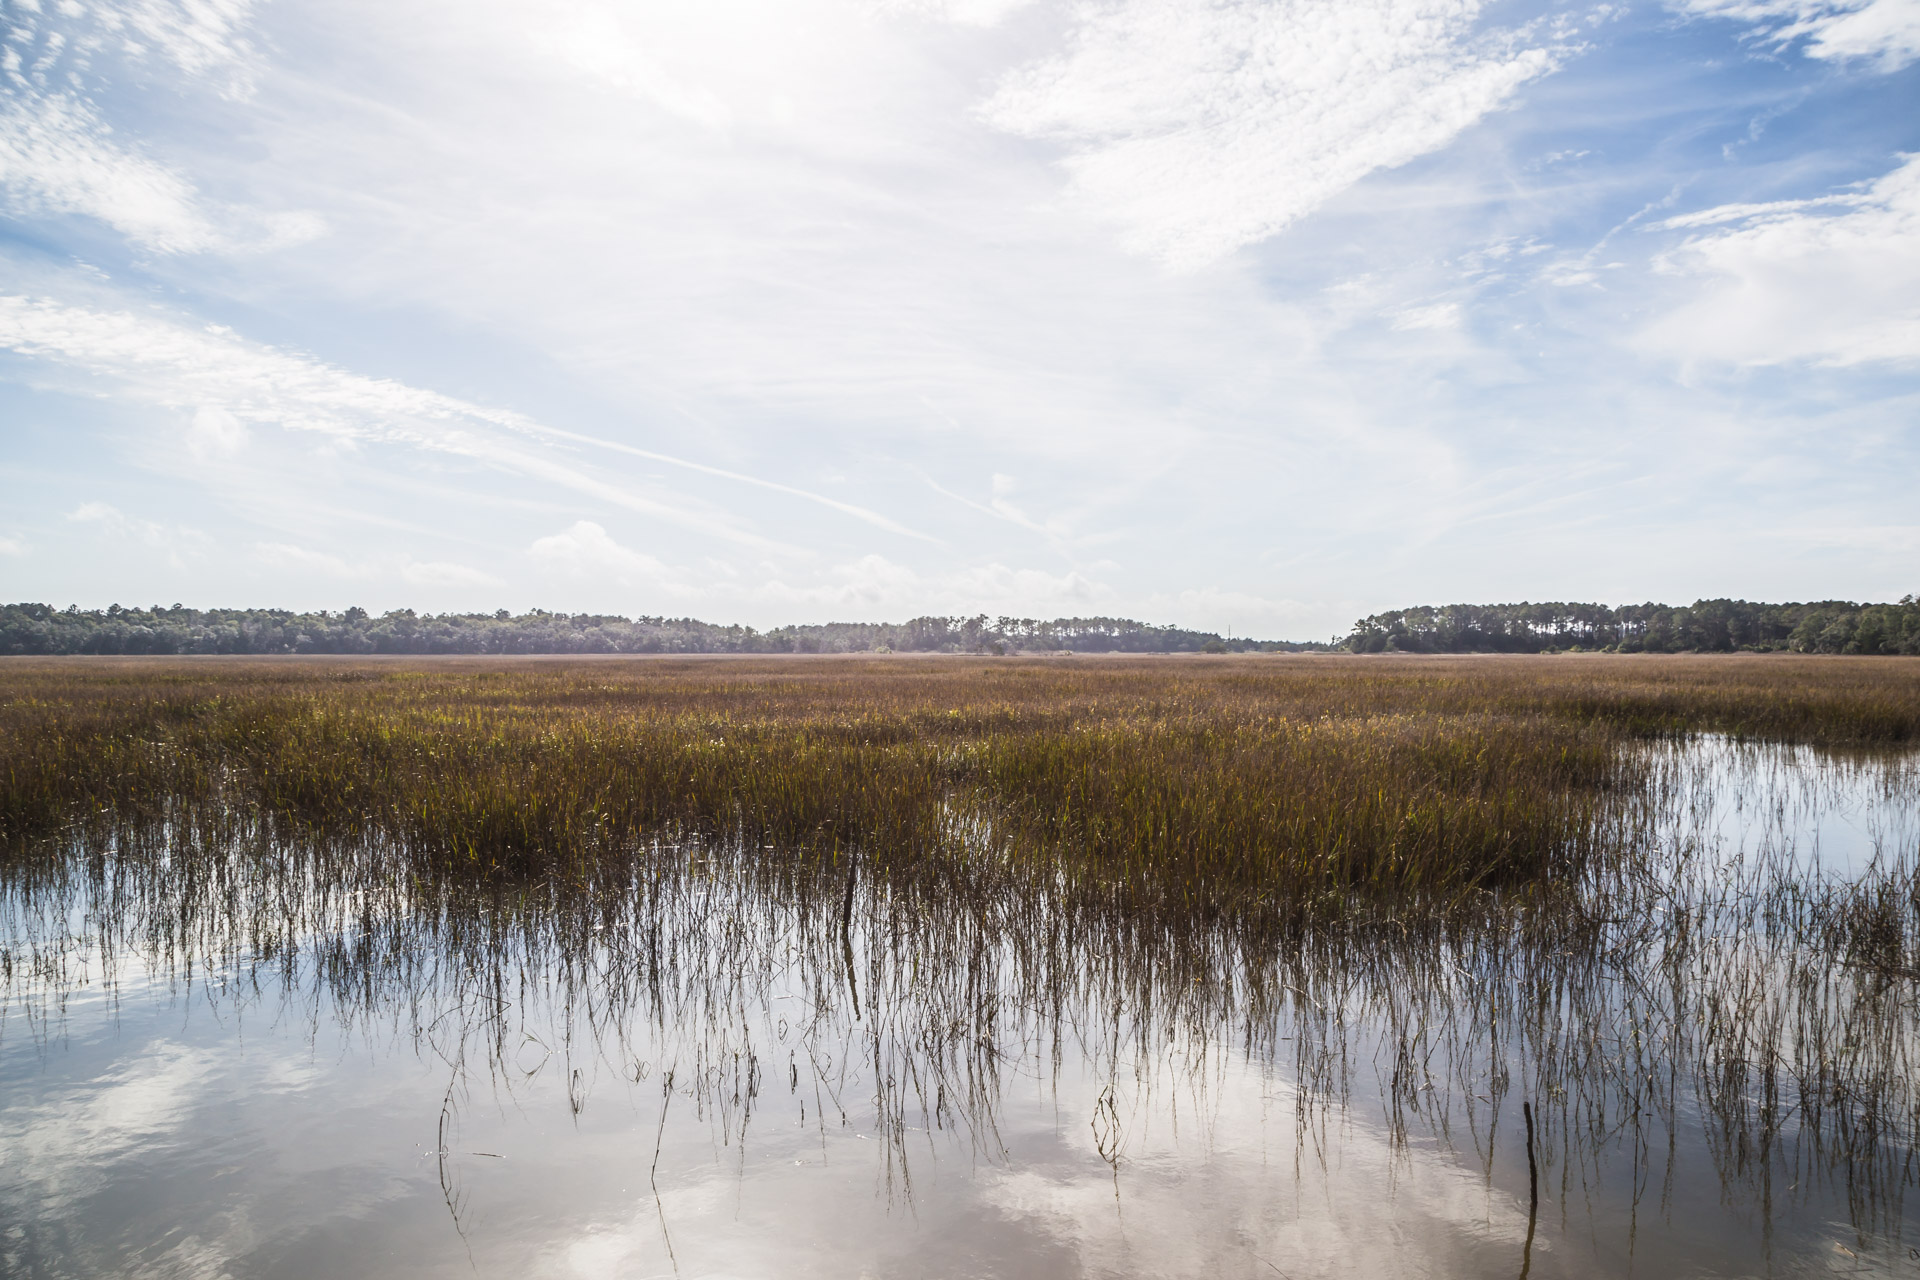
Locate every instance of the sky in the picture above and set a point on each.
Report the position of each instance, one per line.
(1245, 315)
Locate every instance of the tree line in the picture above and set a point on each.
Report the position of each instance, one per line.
(1705, 626)
(43, 629)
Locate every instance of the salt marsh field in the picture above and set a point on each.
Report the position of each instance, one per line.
(1248, 966)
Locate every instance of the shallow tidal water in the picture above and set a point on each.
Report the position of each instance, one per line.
(741, 1092)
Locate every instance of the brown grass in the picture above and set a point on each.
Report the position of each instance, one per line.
(1245, 784)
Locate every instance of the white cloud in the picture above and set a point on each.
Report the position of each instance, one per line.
(1569, 273)
(197, 36)
(1901, 539)
(59, 154)
(284, 555)
(866, 587)
(12, 547)
(1199, 126)
(1027, 590)
(1242, 612)
(773, 286)
(968, 13)
(1884, 32)
(727, 67)
(215, 431)
(179, 543)
(1722, 214)
(398, 567)
(860, 513)
(56, 155)
(588, 550)
(635, 53)
(875, 587)
(874, 283)
(1792, 282)
(230, 383)
(1000, 506)
(1438, 315)
(443, 573)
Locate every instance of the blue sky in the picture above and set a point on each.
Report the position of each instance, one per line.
(1249, 314)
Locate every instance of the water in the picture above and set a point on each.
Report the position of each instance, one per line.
(1828, 812)
(708, 1076)
(180, 1148)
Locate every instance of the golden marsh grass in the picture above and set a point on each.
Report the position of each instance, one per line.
(1246, 785)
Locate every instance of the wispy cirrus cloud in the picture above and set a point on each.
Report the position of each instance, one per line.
(871, 585)
(1198, 127)
(395, 567)
(971, 13)
(59, 154)
(178, 543)
(200, 37)
(1436, 315)
(876, 586)
(743, 269)
(1885, 33)
(230, 384)
(1831, 280)
(60, 150)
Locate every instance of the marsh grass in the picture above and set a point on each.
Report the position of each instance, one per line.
(1258, 787)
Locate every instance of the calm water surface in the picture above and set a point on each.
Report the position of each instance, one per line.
(716, 1088)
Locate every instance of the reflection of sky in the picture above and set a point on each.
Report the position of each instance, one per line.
(178, 1132)
(1833, 812)
(180, 1136)
(196, 1150)
(1243, 314)
(142, 1104)
(1209, 1191)
(177, 1147)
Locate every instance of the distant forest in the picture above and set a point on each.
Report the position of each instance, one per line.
(1705, 626)
(42, 629)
